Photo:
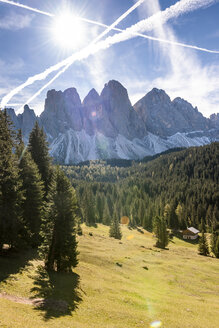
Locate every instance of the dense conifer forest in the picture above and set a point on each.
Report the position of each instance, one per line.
(38, 205)
(181, 186)
(42, 205)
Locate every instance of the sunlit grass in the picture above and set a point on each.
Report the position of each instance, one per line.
(127, 283)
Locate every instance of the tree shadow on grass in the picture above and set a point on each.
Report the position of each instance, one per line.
(56, 294)
(12, 262)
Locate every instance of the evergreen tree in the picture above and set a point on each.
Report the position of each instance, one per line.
(89, 208)
(216, 249)
(32, 187)
(10, 193)
(59, 247)
(179, 213)
(115, 230)
(214, 240)
(106, 214)
(167, 212)
(141, 212)
(160, 230)
(202, 226)
(38, 147)
(99, 207)
(173, 223)
(203, 245)
(79, 230)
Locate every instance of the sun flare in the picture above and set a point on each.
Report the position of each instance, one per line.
(68, 31)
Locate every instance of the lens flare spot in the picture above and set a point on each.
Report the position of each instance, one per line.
(156, 324)
(124, 220)
(130, 237)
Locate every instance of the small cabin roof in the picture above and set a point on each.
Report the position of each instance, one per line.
(193, 230)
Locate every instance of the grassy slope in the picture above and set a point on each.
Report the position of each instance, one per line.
(180, 288)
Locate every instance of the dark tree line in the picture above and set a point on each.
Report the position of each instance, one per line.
(38, 205)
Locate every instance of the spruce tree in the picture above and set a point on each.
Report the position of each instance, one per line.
(214, 240)
(10, 193)
(99, 207)
(38, 147)
(115, 230)
(59, 246)
(141, 212)
(203, 245)
(32, 187)
(160, 230)
(179, 213)
(89, 208)
(216, 249)
(106, 214)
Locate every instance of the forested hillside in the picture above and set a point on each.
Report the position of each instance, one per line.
(182, 186)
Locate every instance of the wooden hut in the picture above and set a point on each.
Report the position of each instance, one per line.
(190, 233)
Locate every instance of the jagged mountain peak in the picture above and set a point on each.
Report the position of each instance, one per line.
(114, 88)
(157, 95)
(71, 95)
(184, 103)
(108, 126)
(28, 111)
(91, 98)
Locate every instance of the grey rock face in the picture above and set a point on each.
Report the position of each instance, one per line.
(214, 120)
(193, 118)
(92, 112)
(27, 120)
(62, 111)
(164, 117)
(14, 118)
(117, 107)
(24, 121)
(108, 126)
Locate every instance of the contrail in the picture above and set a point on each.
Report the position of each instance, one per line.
(137, 34)
(17, 4)
(181, 7)
(65, 63)
(100, 36)
(112, 27)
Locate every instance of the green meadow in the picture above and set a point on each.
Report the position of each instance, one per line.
(127, 283)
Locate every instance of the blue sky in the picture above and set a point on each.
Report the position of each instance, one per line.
(28, 45)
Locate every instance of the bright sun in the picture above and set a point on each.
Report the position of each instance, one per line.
(68, 31)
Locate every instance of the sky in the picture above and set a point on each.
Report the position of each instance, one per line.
(31, 42)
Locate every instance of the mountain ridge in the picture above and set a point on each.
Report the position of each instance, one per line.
(106, 125)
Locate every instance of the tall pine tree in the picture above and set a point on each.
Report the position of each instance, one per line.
(115, 230)
(38, 147)
(59, 247)
(32, 187)
(160, 230)
(10, 193)
(89, 208)
(203, 245)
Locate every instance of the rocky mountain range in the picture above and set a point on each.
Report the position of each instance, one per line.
(108, 126)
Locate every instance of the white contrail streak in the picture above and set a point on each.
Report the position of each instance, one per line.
(32, 79)
(17, 4)
(181, 7)
(112, 27)
(100, 36)
(137, 34)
